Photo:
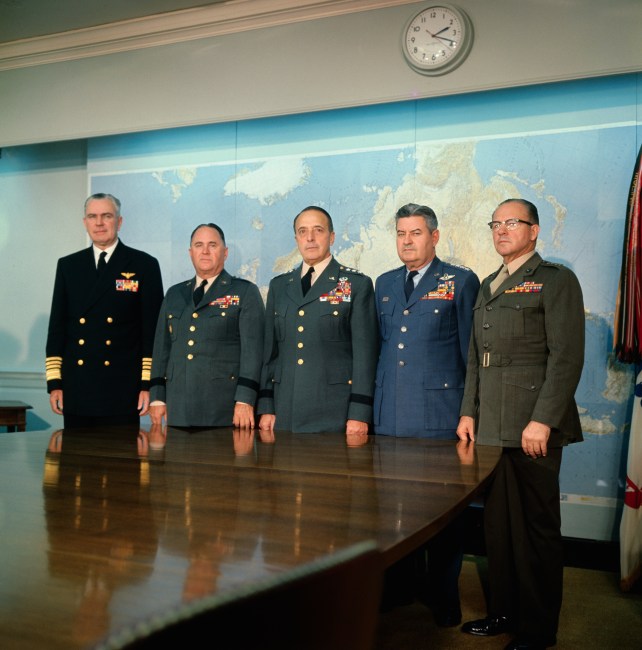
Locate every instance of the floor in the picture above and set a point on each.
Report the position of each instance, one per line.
(595, 614)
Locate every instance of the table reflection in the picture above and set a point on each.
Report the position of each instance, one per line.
(119, 525)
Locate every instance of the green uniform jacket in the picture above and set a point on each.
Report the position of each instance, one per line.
(208, 357)
(526, 355)
(320, 351)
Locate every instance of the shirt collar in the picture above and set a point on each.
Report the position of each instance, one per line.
(109, 251)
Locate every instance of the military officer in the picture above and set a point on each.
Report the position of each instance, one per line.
(101, 327)
(425, 316)
(320, 340)
(209, 343)
(424, 334)
(524, 364)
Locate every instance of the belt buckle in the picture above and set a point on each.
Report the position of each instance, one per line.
(486, 360)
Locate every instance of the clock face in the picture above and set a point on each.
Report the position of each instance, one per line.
(437, 39)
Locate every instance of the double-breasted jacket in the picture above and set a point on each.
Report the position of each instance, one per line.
(101, 331)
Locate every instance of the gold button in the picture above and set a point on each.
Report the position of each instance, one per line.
(106, 363)
(110, 319)
(192, 328)
(107, 342)
(171, 316)
(300, 328)
(82, 321)
(301, 312)
(401, 346)
(335, 313)
(81, 342)
(190, 356)
(404, 328)
(222, 313)
(195, 315)
(190, 342)
(350, 381)
(80, 362)
(300, 362)
(299, 345)
(406, 312)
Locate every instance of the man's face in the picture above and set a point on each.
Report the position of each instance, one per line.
(102, 223)
(313, 236)
(207, 252)
(415, 243)
(511, 244)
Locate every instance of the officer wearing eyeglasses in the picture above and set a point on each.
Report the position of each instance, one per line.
(524, 364)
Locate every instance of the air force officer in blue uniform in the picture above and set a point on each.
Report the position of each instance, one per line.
(424, 334)
(425, 312)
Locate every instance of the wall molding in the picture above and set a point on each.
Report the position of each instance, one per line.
(16, 380)
(176, 27)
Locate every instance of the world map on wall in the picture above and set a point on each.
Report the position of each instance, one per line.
(577, 178)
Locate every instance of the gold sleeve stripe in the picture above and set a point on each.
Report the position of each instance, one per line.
(146, 374)
(53, 368)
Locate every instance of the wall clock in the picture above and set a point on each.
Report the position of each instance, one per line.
(437, 39)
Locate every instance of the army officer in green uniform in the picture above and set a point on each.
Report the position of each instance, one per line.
(320, 340)
(209, 343)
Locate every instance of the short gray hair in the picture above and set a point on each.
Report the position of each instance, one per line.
(100, 196)
(416, 210)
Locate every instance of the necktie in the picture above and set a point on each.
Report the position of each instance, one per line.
(409, 287)
(102, 263)
(306, 280)
(501, 276)
(199, 292)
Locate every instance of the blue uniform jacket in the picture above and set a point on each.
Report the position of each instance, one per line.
(424, 347)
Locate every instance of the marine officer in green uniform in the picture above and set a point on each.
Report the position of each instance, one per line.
(321, 341)
(209, 343)
(524, 364)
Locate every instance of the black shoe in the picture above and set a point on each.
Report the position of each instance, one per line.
(489, 626)
(448, 617)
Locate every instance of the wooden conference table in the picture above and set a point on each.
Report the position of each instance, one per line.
(102, 529)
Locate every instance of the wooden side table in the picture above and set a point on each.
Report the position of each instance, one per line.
(13, 414)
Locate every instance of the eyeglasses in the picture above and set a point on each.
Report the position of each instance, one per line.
(510, 224)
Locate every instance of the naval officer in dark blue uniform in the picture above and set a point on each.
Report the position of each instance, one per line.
(101, 327)
(425, 312)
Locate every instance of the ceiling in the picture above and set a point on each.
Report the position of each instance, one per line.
(21, 19)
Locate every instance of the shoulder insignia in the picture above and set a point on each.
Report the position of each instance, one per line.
(349, 270)
(458, 266)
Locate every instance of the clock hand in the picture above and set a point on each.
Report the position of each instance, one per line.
(449, 41)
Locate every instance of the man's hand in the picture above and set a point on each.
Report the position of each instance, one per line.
(55, 400)
(466, 428)
(243, 416)
(356, 428)
(266, 423)
(534, 439)
(143, 402)
(157, 412)
(466, 452)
